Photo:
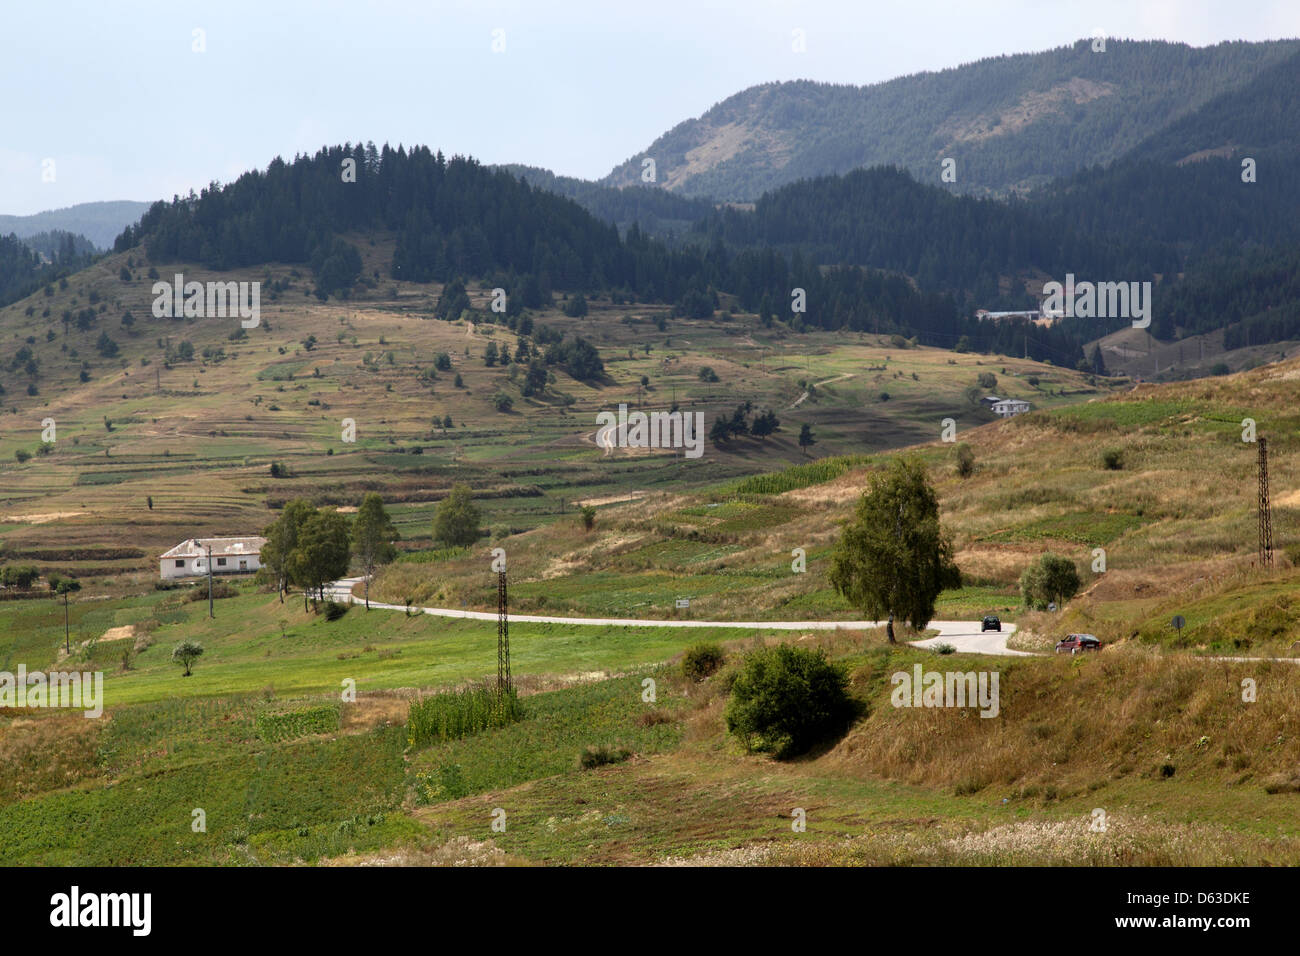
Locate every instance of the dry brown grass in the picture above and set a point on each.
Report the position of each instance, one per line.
(1129, 840)
(45, 752)
(378, 709)
(1074, 723)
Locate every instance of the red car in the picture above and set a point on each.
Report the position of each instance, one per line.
(1074, 643)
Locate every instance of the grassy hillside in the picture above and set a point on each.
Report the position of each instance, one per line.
(1160, 741)
(1176, 521)
(197, 437)
(1181, 774)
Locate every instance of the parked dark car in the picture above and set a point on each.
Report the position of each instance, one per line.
(1074, 643)
(991, 623)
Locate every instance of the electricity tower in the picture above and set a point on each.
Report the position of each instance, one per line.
(504, 685)
(1265, 512)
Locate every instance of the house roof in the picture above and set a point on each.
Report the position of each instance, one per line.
(221, 547)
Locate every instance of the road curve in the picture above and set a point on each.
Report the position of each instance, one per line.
(965, 636)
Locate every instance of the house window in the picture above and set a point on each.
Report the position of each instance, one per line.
(180, 564)
(221, 562)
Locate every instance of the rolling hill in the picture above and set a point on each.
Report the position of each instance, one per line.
(143, 405)
(1011, 122)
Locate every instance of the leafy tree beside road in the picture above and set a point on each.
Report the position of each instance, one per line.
(1050, 579)
(307, 547)
(281, 539)
(893, 559)
(322, 553)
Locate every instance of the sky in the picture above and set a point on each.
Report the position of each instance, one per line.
(117, 100)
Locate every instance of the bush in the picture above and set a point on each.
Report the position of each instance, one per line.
(944, 649)
(220, 589)
(592, 757)
(20, 576)
(702, 660)
(334, 610)
(787, 699)
(965, 460)
(1112, 459)
(654, 717)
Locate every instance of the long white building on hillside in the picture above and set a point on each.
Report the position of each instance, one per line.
(229, 556)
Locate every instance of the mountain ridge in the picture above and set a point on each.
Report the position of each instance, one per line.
(100, 222)
(1010, 122)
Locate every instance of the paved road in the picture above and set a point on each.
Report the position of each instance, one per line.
(965, 636)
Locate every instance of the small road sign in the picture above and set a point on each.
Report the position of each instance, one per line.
(683, 602)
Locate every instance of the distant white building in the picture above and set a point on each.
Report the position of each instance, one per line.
(229, 556)
(1040, 316)
(1006, 407)
(986, 314)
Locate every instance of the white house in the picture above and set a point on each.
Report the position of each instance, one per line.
(229, 556)
(1007, 407)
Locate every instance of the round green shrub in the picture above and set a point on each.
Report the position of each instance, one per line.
(786, 700)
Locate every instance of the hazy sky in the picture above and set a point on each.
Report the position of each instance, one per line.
(115, 95)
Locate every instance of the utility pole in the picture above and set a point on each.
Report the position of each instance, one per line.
(1265, 510)
(504, 685)
(210, 614)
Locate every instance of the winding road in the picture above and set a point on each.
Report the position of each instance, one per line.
(965, 636)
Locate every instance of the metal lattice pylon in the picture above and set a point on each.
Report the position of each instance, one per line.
(1265, 511)
(504, 684)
